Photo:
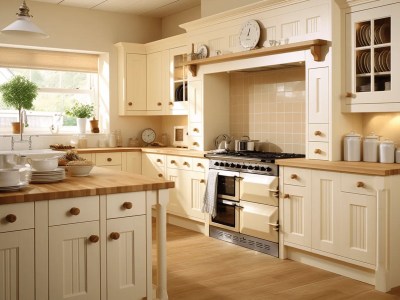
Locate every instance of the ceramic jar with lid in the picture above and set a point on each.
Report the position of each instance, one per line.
(352, 146)
(371, 148)
(386, 152)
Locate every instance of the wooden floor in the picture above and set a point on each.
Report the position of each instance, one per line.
(200, 267)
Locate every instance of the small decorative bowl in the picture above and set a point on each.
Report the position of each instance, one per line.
(79, 170)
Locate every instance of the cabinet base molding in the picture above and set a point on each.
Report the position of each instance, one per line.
(188, 224)
(332, 265)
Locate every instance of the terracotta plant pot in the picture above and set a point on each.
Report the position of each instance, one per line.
(16, 128)
(94, 126)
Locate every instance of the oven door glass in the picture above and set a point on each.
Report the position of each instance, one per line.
(228, 185)
(227, 215)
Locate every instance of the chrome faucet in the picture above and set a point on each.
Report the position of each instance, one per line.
(22, 121)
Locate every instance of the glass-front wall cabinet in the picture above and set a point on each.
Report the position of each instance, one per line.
(179, 72)
(371, 54)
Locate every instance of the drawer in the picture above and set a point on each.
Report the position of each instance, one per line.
(200, 164)
(357, 184)
(318, 132)
(318, 150)
(87, 156)
(195, 129)
(75, 210)
(157, 160)
(126, 205)
(196, 143)
(296, 176)
(179, 162)
(108, 159)
(17, 216)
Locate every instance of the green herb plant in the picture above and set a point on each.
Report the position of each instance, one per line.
(79, 110)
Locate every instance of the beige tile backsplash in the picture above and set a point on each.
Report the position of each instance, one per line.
(269, 106)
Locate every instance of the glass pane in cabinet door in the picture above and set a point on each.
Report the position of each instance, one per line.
(363, 70)
(382, 31)
(363, 34)
(178, 68)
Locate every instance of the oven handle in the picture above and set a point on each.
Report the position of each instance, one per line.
(231, 203)
(275, 225)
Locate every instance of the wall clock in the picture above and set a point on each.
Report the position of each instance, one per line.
(202, 51)
(148, 136)
(249, 34)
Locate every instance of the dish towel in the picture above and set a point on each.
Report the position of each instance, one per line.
(210, 196)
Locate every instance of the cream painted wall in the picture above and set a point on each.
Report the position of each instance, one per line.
(386, 125)
(170, 24)
(79, 29)
(212, 7)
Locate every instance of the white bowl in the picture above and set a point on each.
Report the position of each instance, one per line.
(79, 170)
(44, 164)
(9, 177)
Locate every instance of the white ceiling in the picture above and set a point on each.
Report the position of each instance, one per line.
(150, 8)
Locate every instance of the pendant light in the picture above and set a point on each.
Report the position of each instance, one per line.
(24, 26)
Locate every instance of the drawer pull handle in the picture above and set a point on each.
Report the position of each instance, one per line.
(199, 165)
(158, 160)
(171, 103)
(127, 205)
(195, 130)
(360, 184)
(195, 144)
(74, 211)
(159, 103)
(202, 181)
(186, 163)
(317, 133)
(293, 176)
(160, 175)
(317, 151)
(11, 218)
(173, 161)
(114, 236)
(109, 159)
(350, 95)
(130, 103)
(286, 196)
(94, 238)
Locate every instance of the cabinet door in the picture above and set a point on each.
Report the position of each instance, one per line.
(297, 215)
(325, 195)
(372, 52)
(17, 271)
(358, 222)
(197, 189)
(155, 81)
(318, 95)
(153, 165)
(178, 103)
(179, 194)
(133, 162)
(126, 258)
(195, 96)
(74, 262)
(135, 82)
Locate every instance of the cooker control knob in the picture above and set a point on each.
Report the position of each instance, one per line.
(250, 167)
(216, 164)
(262, 169)
(232, 165)
(256, 168)
(269, 169)
(226, 164)
(238, 166)
(244, 167)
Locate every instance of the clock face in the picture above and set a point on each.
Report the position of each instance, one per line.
(148, 135)
(249, 34)
(202, 51)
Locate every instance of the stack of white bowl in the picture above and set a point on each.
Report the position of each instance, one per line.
(14, 172)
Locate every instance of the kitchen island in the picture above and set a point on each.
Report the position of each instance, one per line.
(87, 236)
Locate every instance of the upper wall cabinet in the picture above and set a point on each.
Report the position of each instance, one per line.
(372, 52)
(178, 74)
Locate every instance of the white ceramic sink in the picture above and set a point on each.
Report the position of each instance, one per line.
(37, 153)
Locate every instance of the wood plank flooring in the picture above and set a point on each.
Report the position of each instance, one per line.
(203, 268)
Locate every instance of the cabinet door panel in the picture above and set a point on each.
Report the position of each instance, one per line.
(17, 265)
(153, 165)
(126, 258)
(297, 215)
(74, 262)
(154, 80)
(318, 95)
(197, 190)
(135, 82)
(195, 97)
(177, 195)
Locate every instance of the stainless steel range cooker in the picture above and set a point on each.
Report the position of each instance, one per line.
(247, 198)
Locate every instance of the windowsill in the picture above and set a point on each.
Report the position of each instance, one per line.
(7, 134)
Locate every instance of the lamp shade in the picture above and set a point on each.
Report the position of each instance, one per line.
(24, 26)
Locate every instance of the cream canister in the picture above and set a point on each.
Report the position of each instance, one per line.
(386, 152)
(352, 147)
(371, 148)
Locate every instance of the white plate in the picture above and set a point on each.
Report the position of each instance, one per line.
(367, 34)
(376, 34)
(376, 61)
(363, 41)
(17, 187)
(388, 63)
(384, 33)
(367, 62)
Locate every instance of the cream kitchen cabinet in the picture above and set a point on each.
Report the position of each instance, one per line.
(189, 176)
(157, 82)
(17, 253)
(110, 160)
(154, 165)
(178, 81)
(372, 51)
(132, 71)
(196, 107)
(133, 162)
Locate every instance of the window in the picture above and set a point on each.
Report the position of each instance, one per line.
(62, 78)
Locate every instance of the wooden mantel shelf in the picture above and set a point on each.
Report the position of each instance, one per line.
(313, 45)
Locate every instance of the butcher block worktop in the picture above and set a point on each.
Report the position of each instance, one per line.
(101, 181)
(366, 168)
(159, 150)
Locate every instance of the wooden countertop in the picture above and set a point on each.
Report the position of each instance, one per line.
(159, 150)
(101, 181)
(365, 168)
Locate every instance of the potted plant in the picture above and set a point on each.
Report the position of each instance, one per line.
(19, 92)
(81, 112)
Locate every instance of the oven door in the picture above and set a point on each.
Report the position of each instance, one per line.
(228, 185)
(258, 188)
(227, 215)
(259, 220)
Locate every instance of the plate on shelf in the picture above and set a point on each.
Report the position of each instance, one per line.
(363, 42)
(376, 61)
(367, 35)
(14, 188)
(384, 33)
(367, 62)
(388, 61)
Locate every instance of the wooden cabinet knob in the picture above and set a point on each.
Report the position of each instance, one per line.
(114, 235)
(286, 196)
(202, 181)
(171, 103)
(173, 161)
(195, 144)
(158, 160)
(293, 176)
(160, 175)
(127, 205)
(94, 238)
(11, 218)
(317, 151)
(109, 159)
(350, 95)
(317, 133)
(130, 103)
(199, 165)
(74, 211)
(159, 103)
(186, 163)
(360, 184)
(195, 130)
